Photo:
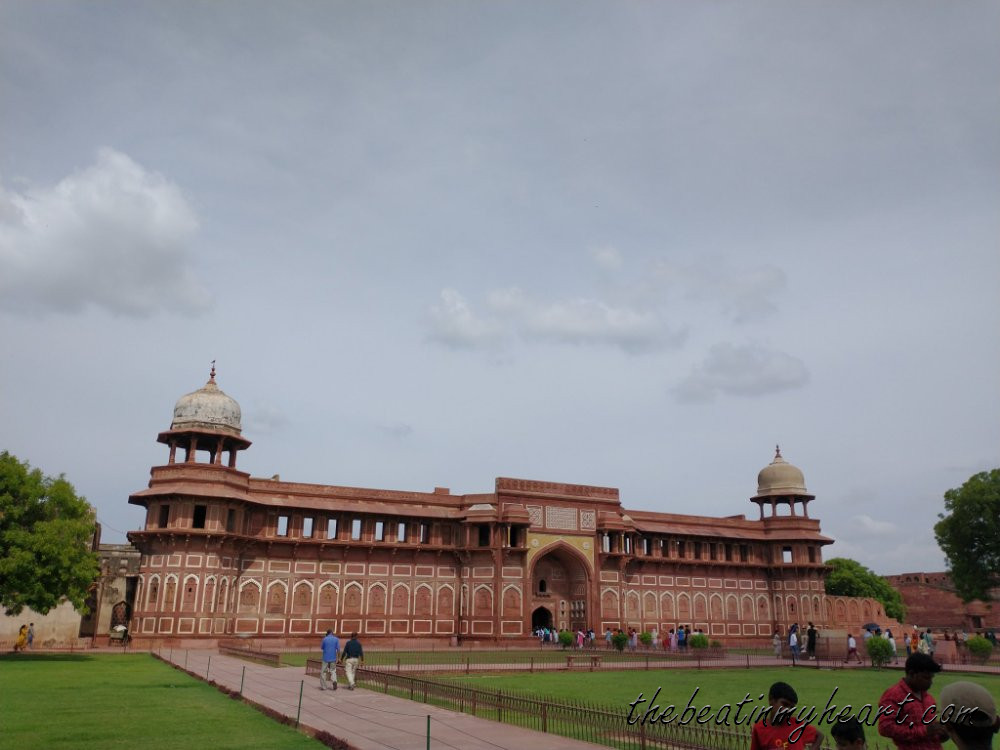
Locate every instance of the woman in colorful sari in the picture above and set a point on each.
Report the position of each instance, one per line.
(22, 639)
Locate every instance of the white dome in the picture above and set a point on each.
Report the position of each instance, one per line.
(780, 478)
(208, 408)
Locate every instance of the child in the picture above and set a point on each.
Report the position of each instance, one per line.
(848, 734)
(776, 729)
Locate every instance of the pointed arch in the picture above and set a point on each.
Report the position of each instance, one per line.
(511, 601)
(609, 605)
(328, 598)
(153, 592)
(667, 605)
(423, 598)
(189, 593)
(446, 600)
(222, 604)
(732, 608)
(400, 600)
(700, 607)
(170, 593)
(277, 597)
(684, 607)
(649, 609)
(715, 607)
(249, 596)
(376, 599)
(353, 598)
(746, 606)
(302, 598)
(763, 609)
(482, 601)
(208, 594)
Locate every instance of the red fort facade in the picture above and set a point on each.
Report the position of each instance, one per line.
(225, 555)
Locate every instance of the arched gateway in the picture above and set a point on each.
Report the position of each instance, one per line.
(560, 586)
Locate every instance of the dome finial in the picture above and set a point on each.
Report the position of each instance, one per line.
(777, 448)
(211, 375)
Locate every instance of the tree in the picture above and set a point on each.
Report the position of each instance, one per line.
(969, 535)
(851, 578)
(45, 535)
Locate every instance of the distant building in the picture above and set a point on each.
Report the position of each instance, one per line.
(109, 603)
(932, 602)
(226, 555)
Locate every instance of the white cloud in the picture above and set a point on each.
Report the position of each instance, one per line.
(872, 527)
(741, 371)
(607, 258)
(113, 235)
(454, 324)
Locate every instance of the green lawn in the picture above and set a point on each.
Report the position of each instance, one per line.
(715, 686)
(107, 701)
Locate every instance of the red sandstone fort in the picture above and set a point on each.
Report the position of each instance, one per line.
(226, 555)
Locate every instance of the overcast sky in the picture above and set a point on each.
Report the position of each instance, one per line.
(628, 244)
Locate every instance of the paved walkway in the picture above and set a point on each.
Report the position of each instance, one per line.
(365, 719)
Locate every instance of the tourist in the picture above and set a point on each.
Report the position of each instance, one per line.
(811, 635)
(969, 715)
(852, 649)
(31, 636)
(352, 656)
(849, 734)
(776, 728)
(656, 637)
(793, 642)
(930, 642)
(914, 643)
(607, 638)
(22, 638)
(330, 645)
(633, 639)
(776, 642)
(673, 640)
(681, 639)
(892, 642)
(907, 703)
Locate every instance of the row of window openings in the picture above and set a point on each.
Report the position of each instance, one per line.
(380, 532)
(727, 552)
(200, 514)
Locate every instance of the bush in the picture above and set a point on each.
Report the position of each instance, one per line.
(716, 644)
(980, 648)
(698, 640)
(645, 638)
(565, 639)
(619, 640)
(879, 651)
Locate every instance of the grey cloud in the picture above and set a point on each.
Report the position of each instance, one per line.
(454, 324)
(743, 294)
(741, 371)
(398, 430)
(585, 321)
(113, 235)
(264, 419)
(579, 321)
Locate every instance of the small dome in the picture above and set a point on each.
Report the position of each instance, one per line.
(208, 408)
(780, 478)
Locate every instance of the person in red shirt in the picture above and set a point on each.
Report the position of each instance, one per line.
(908, 711)
(778, 729)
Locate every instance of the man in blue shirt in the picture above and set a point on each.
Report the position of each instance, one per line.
(331, 650)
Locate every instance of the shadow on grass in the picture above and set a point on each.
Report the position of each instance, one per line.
(46, 657)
